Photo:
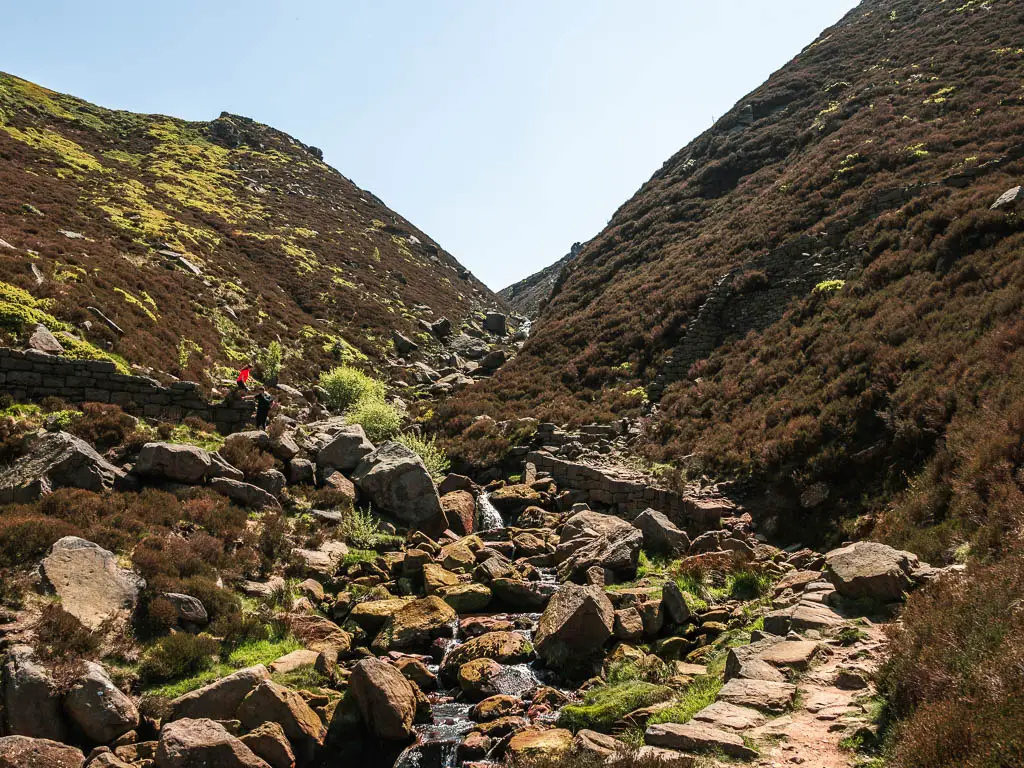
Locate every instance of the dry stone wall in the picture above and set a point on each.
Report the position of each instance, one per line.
(29, 375)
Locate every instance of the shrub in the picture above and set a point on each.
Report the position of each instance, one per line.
(246, 457)
(749, 585)
(25, 537)
(603, 706)
(103, 425)
(268, 363)
(434, 457)
(62, 637)
(176, 656)
(361, 528)
(237, 629)
(380, 420)
(346, 386)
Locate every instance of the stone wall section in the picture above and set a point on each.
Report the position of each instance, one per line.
(627, 498)
(29, 375)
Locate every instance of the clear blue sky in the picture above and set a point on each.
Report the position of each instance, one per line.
(506, 129)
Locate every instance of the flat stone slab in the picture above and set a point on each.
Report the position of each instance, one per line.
(697, 737)
(814, 616)
(722, 714)
(293, 661)
(796, 654)
(763, 695)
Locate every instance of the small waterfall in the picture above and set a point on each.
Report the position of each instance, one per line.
(488, 518)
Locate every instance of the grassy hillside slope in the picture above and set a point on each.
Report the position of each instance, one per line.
(203, 242)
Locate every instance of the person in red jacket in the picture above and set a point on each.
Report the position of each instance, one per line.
(243, 377)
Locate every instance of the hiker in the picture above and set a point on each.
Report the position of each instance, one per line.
(243, 377)
(263, 403)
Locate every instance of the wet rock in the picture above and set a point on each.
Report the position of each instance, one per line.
(503, 647)
(347, 448)
(698, 737)
(25, 752)
(394, 480)
(191, 743)
(98, 707)
(494, 707)
(415, 625)
(574, 626)
(385, 698)
(55, 460)
(536, 743)
(660, 534)
(871, 570)
(417, 673)
(269, 743)
(31, 702)
(90, 583)
(220, 699)
(479, 678)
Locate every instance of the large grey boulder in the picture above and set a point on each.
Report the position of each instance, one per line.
(91, 585)
(394, 479)
(24, 752)
(574, 626)
(203, 744)
(55, 460)
(469, 347)
(177, 463)
(99, 708)
(660, 534)
(31, 703)
(386, 699)
(346, 449)
(245, 494)
(871, 570)
(219, 700)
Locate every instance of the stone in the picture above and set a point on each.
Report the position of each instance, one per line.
(518, 595)
(494, 707)
(272, 703)
(597, 745)
(529, 545)
(220, 699)
(186, 464)
(629, 625)
(372, 614)
(467, 598)
(441, 328)
(417, 673)
(293, 661)
(385, 699)
(698, 737)
(1010, 200)
(31, 702)
(722, 714)
(333, 480)
(347, 448)
(203, 743)
(98, 707)
(245, 494)
(870, 570)
(416, 625)
(660, 534)
(654, 757)
(460, 511)
(53, 460)
(269, 742)
(403, 344)
(312, 589)
(91, 585)
(675, 604)
(795, 654)
(796, 581)
(496, 323)
(574, 626)
(190, 609)
(106, 760)
(26, 752)
(503, 647)
(322, 562)
(301, 471)
(435, 577)
(318, 633)
(394, 479)
(591, 539)
(537, 743)
(42, 340)
(764, 695)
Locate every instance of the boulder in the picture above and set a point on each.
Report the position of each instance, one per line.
(698, 737)
(574, 626)
(177, 463)
(203, 744)
(25, 752)
(219, 700)
(42, 340)
(494, 707)
(403, 344)
(441, 328)
(871, 570)
(496, 323)
(245, 494)
(272, 703)
(31, 703)
(416, 625)
(323, 562)
(629, 625)
(1011, 200)
(91, 585)
(385, 698)
(537, 743)
(190, 609)
(512, 500)
(333, 480)
(591, 539)
(435, 577)
(675, 604)
(318, 633)
(345, 450)
(479, 679)
(460, 511)
(293, 661)
(269, 742)
(466, 598)
(660, 534)
(764, 695)
(394, 480)
(503, 647)
(417, 673)
(722, 714)
(98, 707)
(55, 460)
(518, 595)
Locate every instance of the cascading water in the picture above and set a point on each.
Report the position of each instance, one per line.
(488, 518)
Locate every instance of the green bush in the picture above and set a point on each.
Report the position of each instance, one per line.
(433, 455)
(380, 420)
(268, 363)
(176, 656)
(346, 386)
(602, 707)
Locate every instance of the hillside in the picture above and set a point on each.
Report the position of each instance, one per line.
(201, 243)
(820, 281)
(528, 296)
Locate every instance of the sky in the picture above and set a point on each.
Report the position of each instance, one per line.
(506, 130)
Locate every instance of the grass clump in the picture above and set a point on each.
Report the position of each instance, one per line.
(434, 457)
(602, 707)
(699, 694)
(346, 386)
(379, 419)
(177, 656)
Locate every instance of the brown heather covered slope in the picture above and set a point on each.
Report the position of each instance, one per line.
(873, 157)
(288, 248)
